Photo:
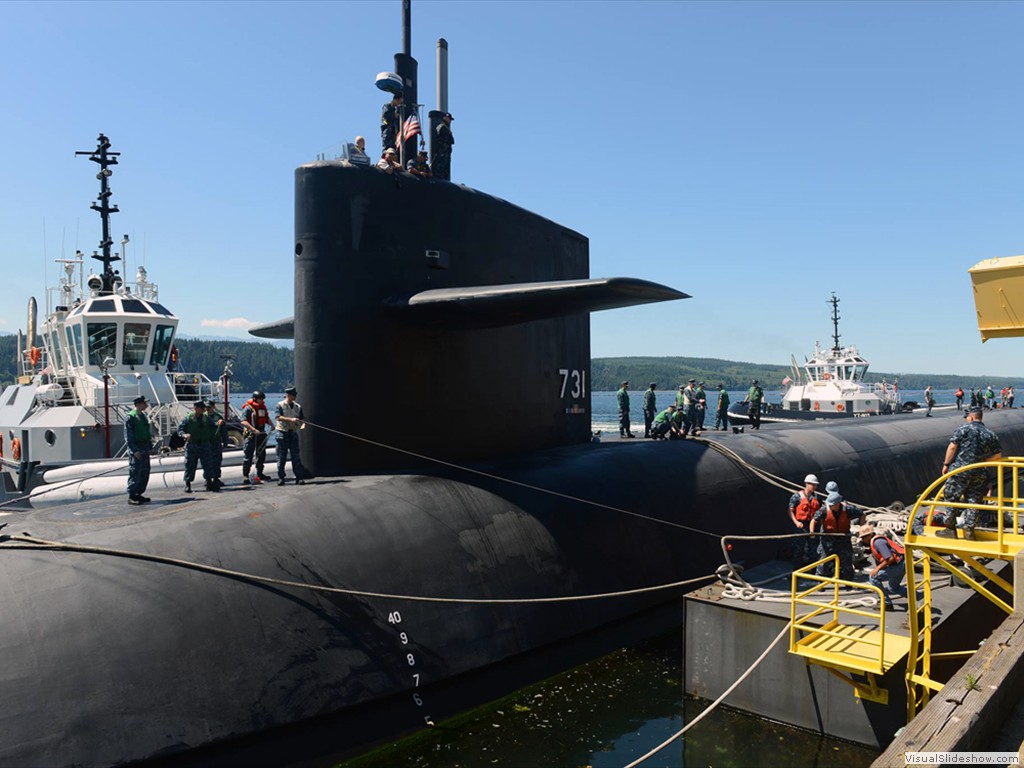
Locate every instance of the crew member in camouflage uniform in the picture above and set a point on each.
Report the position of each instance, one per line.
(138, 436)
(650, 408)
(972, 442)
(198, 431)
(217, 448)
(289, 422)
(391, 122)
(833, 518)
(622, 397)
(803, 506)
(754, 398)
(442, 161)
(722, 411)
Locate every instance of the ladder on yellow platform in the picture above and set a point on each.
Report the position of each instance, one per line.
(847, 648)
(1001, 542)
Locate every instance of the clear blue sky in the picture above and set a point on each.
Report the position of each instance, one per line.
(757, 156)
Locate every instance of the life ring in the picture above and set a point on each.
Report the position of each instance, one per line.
(826, 376)
(817, 405)
(16, 449)
(839, 406)
(34, 356)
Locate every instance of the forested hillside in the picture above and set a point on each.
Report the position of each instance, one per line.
(259, 365)
(669, 372)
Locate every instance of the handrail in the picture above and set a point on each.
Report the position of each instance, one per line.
(802, 623)
(1001, 504)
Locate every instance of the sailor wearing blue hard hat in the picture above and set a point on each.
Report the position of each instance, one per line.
(834, 518)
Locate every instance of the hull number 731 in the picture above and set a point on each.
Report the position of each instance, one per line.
(579, 382)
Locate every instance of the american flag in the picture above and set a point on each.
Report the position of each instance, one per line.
(412, 127)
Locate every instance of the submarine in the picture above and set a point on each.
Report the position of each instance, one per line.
(461, 518)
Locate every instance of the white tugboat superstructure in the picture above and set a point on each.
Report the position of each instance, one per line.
(832, 385)
(103, 342)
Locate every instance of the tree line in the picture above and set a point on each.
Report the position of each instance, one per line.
(607, 373)
(259, 365)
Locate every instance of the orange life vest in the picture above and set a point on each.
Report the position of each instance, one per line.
(805, 510)
(260, 414)
(834, 524)
(895, 546)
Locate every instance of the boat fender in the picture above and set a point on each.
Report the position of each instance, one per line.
(16, 449)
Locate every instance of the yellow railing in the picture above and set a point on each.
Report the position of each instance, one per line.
(1003, 500)
(802, 624)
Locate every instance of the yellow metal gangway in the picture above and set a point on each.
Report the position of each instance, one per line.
(845, 648)
(860, 644)
(996, 537)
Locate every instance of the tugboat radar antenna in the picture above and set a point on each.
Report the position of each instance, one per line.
(835, 324)
(104, 158)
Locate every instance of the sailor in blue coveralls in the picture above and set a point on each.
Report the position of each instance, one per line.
(972, 442)
(289, 422)
(138, 436)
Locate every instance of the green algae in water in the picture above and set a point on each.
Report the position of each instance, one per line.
(606, 714)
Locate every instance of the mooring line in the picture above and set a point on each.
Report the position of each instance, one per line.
(37, 543)
(716, 702)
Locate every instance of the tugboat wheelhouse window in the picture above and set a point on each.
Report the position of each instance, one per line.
(77, 328)
(134, 306)
(136, 339)
(58, 357)
(102, 341)
(160, 309)
(161, 344)
(102, 305)
(74, 357)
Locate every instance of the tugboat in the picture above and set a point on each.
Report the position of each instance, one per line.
(832, 386)
(103, 342)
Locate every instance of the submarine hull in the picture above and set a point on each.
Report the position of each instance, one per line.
(110, 659)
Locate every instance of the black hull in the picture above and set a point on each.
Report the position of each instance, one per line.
(738, 414)
(109, 660)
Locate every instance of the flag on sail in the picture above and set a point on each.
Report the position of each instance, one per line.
(412, 127)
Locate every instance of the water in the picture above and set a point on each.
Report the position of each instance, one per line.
(606, 714)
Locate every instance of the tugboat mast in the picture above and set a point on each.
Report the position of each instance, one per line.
(104, 159)
(835, 324)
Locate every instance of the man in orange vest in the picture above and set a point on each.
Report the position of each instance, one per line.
(890, 564)
(833, 518)
(255, 420)
(802, 507)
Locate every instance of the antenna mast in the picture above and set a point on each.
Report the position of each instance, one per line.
(104, 159)
(835, 324)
